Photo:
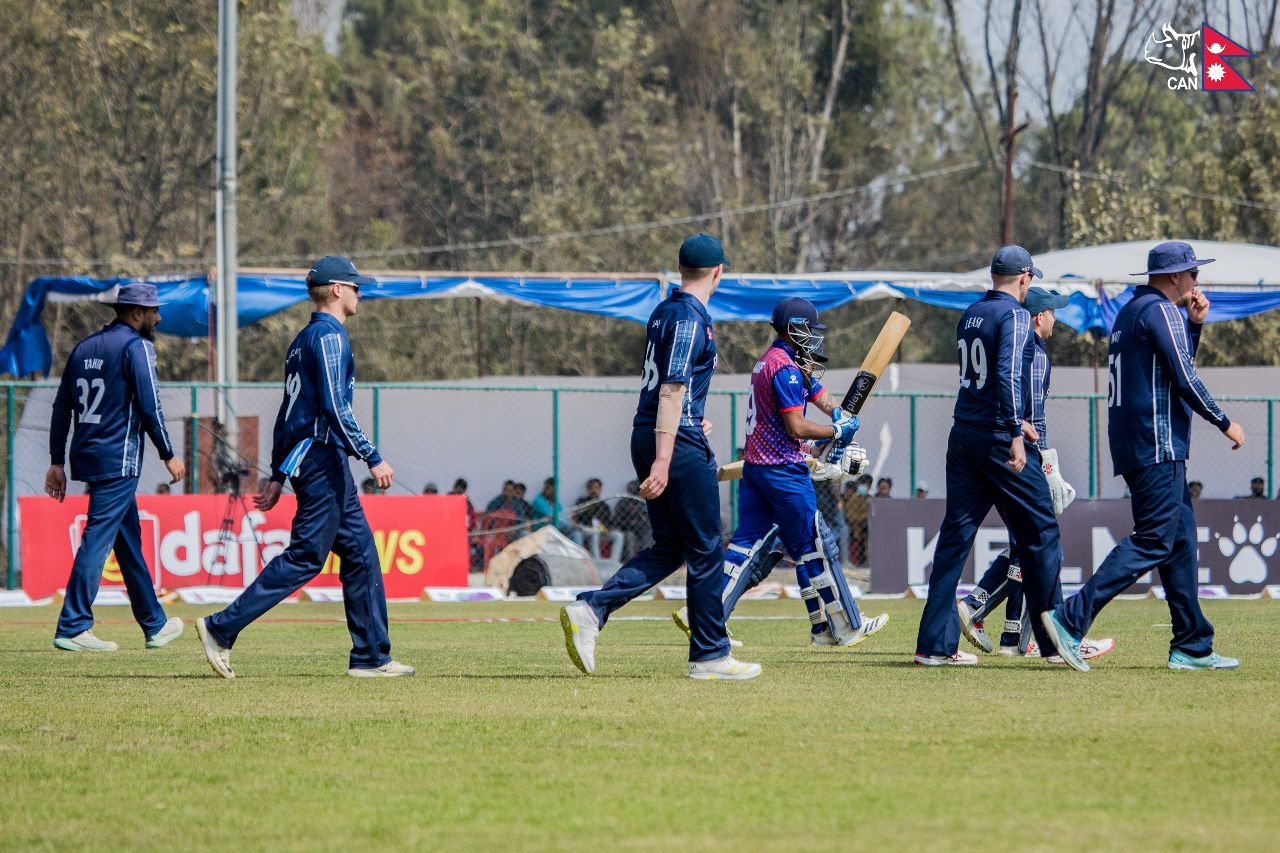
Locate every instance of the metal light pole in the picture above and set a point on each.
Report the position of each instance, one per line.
(227, 316)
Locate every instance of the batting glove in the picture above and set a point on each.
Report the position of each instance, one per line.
(854, 460)
(843, 428)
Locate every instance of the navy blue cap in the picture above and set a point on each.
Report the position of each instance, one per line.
(141, 294)
(337, 269)
(1013, 260)
(702, 250)
(1172, 257)
(795, 308)
(1038, 299)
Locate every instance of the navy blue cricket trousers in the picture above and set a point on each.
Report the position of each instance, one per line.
(686, 530)
(1163, 539)
(329, 518)
(112, 524)
(977, 479)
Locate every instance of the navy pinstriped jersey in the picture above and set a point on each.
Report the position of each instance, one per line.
(680, 347)
(319, 376)
(995, 350)
(1152, 385)
(110, 391)
(1040, 370)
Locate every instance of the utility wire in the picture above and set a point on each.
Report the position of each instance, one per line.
(1164, 190)
(880, 184)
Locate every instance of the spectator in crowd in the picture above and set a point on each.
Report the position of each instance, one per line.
(883, 486)
(514, 509)
(523, 511)
(1257, 489)
(460, 488)
(856, 496)
(547, 510)
(369, 486)
(630, 517)
(505, 499)
(1195, 487)
(473, 542)
(922, 490)
(431, 489)
(162, 488)
(593, 519)
(832, 509)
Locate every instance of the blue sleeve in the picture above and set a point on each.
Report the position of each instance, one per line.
(815, 390)
(1193, 336)
(1170, 340)
(681, 344)
(140, 372)
(1013, 336)
(788, 389)
(334, 379)
(278, 449)
(60, 425)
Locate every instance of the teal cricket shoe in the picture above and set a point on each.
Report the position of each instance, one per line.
(1213, 660)
(171, 631)
(1067, 645)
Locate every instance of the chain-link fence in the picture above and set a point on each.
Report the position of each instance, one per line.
(437, 435)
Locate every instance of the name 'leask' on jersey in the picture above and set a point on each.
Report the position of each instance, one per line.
(319, 376)
(109, 389)
(680, 348)
(995, 351)
(777, 386)
(1152, 384)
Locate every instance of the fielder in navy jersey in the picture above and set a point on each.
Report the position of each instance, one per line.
(1152, 390)
(776, 500)
(110, 393)
(988, 462)
(315, 432)
(1002, 582)
(672, 458)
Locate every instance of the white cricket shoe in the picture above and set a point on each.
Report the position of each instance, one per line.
(958, 659)
(973, 630)
(171, 631)
(681, 618)
(1089, 650)
(823, 638)
(1015, 652)
(390, 669)
(219, 656)
(580, 629)
(726, 668)
(83, 642)
(866, 629)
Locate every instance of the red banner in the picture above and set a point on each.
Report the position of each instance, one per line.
(421, 541)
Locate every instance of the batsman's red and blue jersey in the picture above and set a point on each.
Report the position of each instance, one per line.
(777, 386)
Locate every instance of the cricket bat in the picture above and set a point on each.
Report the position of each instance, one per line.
(878, 358)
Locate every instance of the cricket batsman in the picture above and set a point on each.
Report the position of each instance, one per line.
(776, 499)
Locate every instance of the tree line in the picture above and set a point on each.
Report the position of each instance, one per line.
(807, 131)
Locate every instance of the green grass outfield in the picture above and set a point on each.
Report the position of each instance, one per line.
(500, 743)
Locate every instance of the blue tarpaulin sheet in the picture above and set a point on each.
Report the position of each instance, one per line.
(186, 300)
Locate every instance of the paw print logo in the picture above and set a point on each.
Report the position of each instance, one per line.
(1248, 549)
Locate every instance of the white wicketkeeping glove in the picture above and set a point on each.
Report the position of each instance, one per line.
(1060, 490)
